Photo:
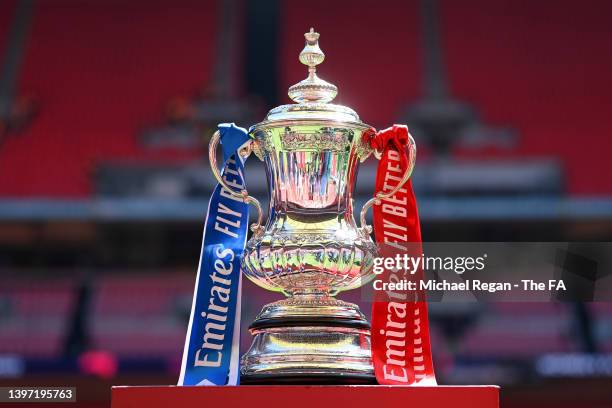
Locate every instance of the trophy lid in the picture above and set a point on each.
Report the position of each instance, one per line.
(312, 95)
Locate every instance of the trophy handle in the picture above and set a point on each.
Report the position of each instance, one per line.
(376, 200)
(245, 152)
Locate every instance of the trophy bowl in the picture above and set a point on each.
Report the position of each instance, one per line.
(311, 246)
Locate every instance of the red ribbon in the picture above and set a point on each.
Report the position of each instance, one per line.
(401, 350)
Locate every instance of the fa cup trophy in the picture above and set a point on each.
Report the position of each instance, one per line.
(311, 247)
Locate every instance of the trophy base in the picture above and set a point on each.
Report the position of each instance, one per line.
(313, 340)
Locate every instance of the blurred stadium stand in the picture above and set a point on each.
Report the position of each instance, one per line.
(141, 318)
(103, 188)
(102, 72)
(35, 317)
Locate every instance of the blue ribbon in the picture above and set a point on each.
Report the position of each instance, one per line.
(211, 354)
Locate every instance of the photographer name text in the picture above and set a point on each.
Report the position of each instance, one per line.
(527, 285)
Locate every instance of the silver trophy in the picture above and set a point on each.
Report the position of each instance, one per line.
(311, 247)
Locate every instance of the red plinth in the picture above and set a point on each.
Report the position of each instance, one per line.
(317, 396)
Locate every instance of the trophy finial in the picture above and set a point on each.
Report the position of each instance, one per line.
(313, 88)
(312, 55)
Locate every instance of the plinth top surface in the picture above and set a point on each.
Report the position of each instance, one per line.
(307, 396)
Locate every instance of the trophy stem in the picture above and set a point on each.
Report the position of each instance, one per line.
(312, 294)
